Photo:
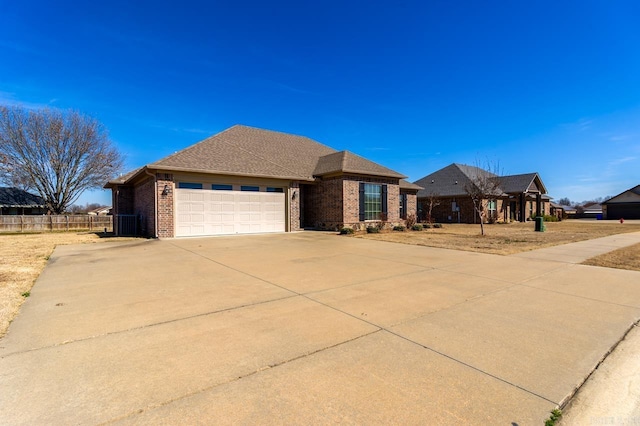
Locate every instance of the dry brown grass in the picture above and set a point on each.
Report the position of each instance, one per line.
(506, 238)
(22, 259)
(624, 258)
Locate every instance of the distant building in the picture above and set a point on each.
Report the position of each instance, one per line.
(14, 201)
(625, 205)
(100, 211)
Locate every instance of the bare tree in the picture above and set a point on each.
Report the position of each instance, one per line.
(433, 200)
(564, 201)
(60, 154)
(483, 187)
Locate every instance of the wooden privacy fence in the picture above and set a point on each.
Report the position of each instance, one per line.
(27, 223)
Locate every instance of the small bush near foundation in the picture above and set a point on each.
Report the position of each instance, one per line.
(437, 225)
(426, 226)
(549, 218)
(373, 230)
(416, 227)
(346, 231)
(399, 228)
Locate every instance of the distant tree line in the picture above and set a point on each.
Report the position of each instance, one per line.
(80, 209)
(567, 202)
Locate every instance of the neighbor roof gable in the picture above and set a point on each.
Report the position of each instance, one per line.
(449, 181)
(630, 195)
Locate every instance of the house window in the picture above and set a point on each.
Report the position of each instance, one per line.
(372, 201)
(272, 189)
(250, 188)
(221, 187)
(403, 206)
(189, 185)
(491, 206)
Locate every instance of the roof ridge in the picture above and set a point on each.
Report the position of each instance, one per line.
(261, 157)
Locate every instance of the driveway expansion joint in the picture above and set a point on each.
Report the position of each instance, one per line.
(236, 379)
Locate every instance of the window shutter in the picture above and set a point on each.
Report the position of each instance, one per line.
(361, 201)
(403, 206)
(384, 199)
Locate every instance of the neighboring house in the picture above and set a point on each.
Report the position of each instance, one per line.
(100, 211)
(249, 180)
(561, 211)
(520, 197)
(589, 211)
(556, 210)
(625, 205)
(14, 201)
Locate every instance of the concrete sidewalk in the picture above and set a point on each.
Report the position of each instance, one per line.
(582, 250)
(306, 328)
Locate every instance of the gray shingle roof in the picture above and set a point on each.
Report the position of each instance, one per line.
(243, 150)
(249, 151)
(348, 162)
(635, 190)
(450, 181)
(14, 197)
(513, 184)
(408, 185)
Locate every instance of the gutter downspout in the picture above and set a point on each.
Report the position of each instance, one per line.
(155, 201)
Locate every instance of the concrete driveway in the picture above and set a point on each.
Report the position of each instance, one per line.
(305, 328)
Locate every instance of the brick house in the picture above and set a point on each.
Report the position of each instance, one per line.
(519, 197)
(249, 180)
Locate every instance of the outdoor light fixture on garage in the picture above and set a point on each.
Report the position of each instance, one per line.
(293, 194)
(166, 190)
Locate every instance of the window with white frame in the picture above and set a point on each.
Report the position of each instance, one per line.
(372, 201)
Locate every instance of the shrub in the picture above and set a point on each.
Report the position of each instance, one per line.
(346, 231)
(399, 228)
(373, 230)
(410, 220)
(437, 225)
(416, 227)
(549, 218)
(426, 226)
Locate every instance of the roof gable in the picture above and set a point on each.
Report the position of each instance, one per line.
(449, 181)
(629, 196)
(347, 162)
(14, 197)
(527, 182)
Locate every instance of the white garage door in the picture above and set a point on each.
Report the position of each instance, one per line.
(209, 212)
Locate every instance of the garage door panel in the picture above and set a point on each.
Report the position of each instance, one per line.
(210, 212)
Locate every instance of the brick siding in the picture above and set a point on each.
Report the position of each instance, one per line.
(295, 207)
(165, 205)
(144, 206)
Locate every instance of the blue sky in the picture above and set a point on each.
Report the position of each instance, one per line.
(545, 86)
